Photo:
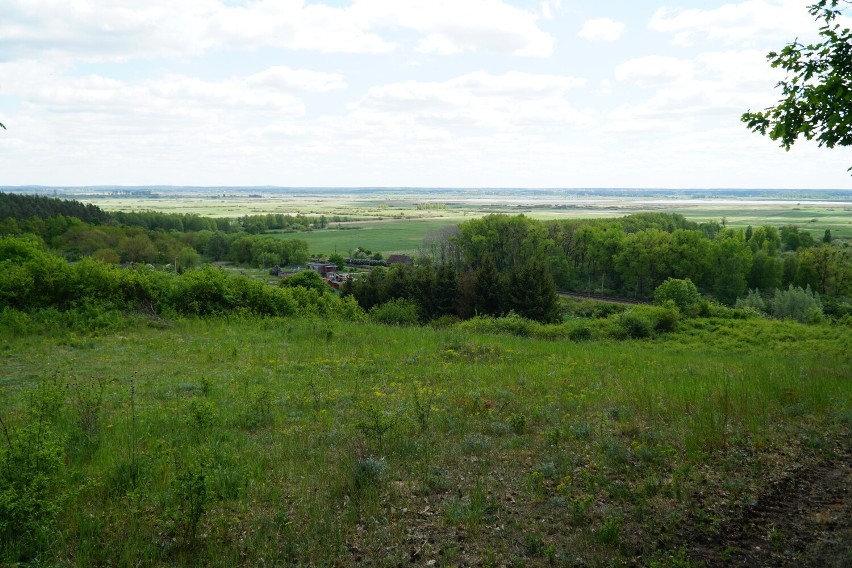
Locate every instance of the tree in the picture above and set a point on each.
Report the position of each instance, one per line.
(187, 258)
(531, 292)
(680, 291)
(730, 263)
(817, 92)
(488, 287)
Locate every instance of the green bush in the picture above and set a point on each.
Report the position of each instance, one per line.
(30, 468)
(666, 317)
(592, 308)
(396, 312)
(635, 324)
(91, 295)
(795, 303)
(309, 279)
(680, 291)
(579, 331)
(753, 300)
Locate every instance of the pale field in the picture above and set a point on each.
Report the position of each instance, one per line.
(395, 223)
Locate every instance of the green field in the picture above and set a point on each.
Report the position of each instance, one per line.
(405, 236)
(388, 237)
(838, 219)
(398, 225)
(245, 441)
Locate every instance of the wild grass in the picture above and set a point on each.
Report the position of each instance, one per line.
(252, 441)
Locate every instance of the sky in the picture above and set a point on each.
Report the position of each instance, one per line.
(389, 93)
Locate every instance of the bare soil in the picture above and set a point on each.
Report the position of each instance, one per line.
(803, 519)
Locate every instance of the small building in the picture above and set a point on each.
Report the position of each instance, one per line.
(399, 259)
(337, 279)
(323, 267)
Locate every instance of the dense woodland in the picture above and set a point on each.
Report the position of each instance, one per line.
(499, 264)
(75, 230)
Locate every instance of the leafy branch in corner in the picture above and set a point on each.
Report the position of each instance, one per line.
(817, 92)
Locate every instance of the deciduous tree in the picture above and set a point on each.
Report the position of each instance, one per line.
(816, 98)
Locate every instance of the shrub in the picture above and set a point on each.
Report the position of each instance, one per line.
(512, 323)
(837, 307)
(190, 498)
(795, 303)
(592, 308)
(31, 463)
(444, 321)
(753, 300)
(635, 325)
(579, 332)
(666, 317)
(309, 279)
(396, 312)
(680, 291)
(370, 472)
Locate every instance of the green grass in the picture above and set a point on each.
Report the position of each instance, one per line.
(328, 443)
(391, 236)
(815, 219)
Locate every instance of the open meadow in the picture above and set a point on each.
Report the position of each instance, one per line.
(249, 441)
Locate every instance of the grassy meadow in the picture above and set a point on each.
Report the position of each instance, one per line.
(269, 442)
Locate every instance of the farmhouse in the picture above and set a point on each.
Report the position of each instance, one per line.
(324, 268)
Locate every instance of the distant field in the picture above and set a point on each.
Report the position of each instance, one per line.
(815, 219)
(404, 236)
(384, 236)
(398, 221)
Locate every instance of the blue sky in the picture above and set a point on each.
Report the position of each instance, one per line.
(447, 93)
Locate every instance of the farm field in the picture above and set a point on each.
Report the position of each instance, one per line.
(250, 441)
(404, 236)
(391, 236)
(395, 221)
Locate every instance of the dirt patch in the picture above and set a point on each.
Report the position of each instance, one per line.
(803, 519)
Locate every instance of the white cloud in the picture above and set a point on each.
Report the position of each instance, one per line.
(437, 44)
(743, 22)
(714, 86)
(602, 29)
(116, 30)
(302, 80)
(654, 70)
(294, 24)
(549, 7)
(450, 26)
(476, 101)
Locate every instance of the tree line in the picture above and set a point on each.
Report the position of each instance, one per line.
(17, 211)
(633, 255)
(500, 264)
(143, 237)
(32, 279)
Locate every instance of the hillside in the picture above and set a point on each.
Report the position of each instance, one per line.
(249, 441)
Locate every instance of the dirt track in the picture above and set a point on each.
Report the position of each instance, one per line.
(805, 519)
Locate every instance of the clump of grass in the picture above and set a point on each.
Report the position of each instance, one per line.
(476, 443)
(370, 473)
